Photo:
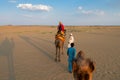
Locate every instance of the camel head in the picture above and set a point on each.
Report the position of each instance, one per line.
(83, 68)
(80, 55)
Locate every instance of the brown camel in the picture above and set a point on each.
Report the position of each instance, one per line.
(59, 49)
(59, 44)
(83, 67)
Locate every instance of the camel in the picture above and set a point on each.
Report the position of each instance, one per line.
(83, 67)
(59, 44)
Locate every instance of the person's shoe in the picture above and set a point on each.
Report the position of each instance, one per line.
(70, 71)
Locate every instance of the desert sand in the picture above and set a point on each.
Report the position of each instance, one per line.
(28, 52)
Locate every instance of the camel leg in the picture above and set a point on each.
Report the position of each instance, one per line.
(62, 48)
(56, 54)
(59, 55)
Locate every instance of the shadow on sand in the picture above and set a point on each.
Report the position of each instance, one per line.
(46, 53)
(31, 42)
(48, 41)
(6, 52)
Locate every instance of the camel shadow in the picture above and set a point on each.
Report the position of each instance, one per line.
(6, 57)
(44, 52)
(31, 42)
(52, 42)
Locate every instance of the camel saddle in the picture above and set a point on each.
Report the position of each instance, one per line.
(60, 35)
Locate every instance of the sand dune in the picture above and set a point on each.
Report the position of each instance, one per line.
(27, 53)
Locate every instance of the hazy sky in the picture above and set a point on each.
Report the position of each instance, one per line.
(69, 12)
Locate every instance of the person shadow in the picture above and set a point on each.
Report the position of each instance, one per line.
(6, 57)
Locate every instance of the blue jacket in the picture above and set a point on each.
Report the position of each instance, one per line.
(71, 52)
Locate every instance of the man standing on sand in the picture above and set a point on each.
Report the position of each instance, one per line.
(71, 52)
(71, 40)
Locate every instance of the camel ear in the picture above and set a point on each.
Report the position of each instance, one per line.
(92, 66)
(74, 66)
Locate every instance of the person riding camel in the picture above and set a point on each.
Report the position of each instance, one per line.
(61, 28)
(61, 32)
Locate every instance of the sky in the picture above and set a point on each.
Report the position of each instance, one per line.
(50, 12)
